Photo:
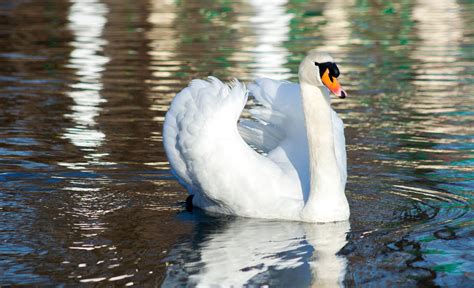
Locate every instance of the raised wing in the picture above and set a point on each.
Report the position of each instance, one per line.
(213, 161)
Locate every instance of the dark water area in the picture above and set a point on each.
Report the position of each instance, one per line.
(86, 193)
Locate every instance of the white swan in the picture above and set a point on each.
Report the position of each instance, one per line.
(302, 174)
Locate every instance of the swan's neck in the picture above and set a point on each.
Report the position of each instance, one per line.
(326, 201)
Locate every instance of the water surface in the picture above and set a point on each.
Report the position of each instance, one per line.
(86, 194)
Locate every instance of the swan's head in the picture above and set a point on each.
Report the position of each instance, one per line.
(319, 69)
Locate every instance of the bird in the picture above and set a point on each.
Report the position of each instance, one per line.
(287, 161)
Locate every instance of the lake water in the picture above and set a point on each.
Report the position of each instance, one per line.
(86, 193)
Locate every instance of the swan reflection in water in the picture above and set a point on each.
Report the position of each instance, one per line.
(244, 251)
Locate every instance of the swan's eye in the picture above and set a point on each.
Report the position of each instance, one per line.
(333, 69)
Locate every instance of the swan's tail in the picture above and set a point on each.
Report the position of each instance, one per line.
(200, 113)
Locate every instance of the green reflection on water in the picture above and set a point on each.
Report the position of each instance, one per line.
(448, 268)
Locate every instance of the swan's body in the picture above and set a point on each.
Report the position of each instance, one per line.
(303, 174)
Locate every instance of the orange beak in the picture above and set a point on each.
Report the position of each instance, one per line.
(332, 84)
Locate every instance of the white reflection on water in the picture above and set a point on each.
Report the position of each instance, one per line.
(437, 78)
(163, 44)
(272, 27)
(336, 32)
(253, 251)
(439, 27)
(86, 22)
